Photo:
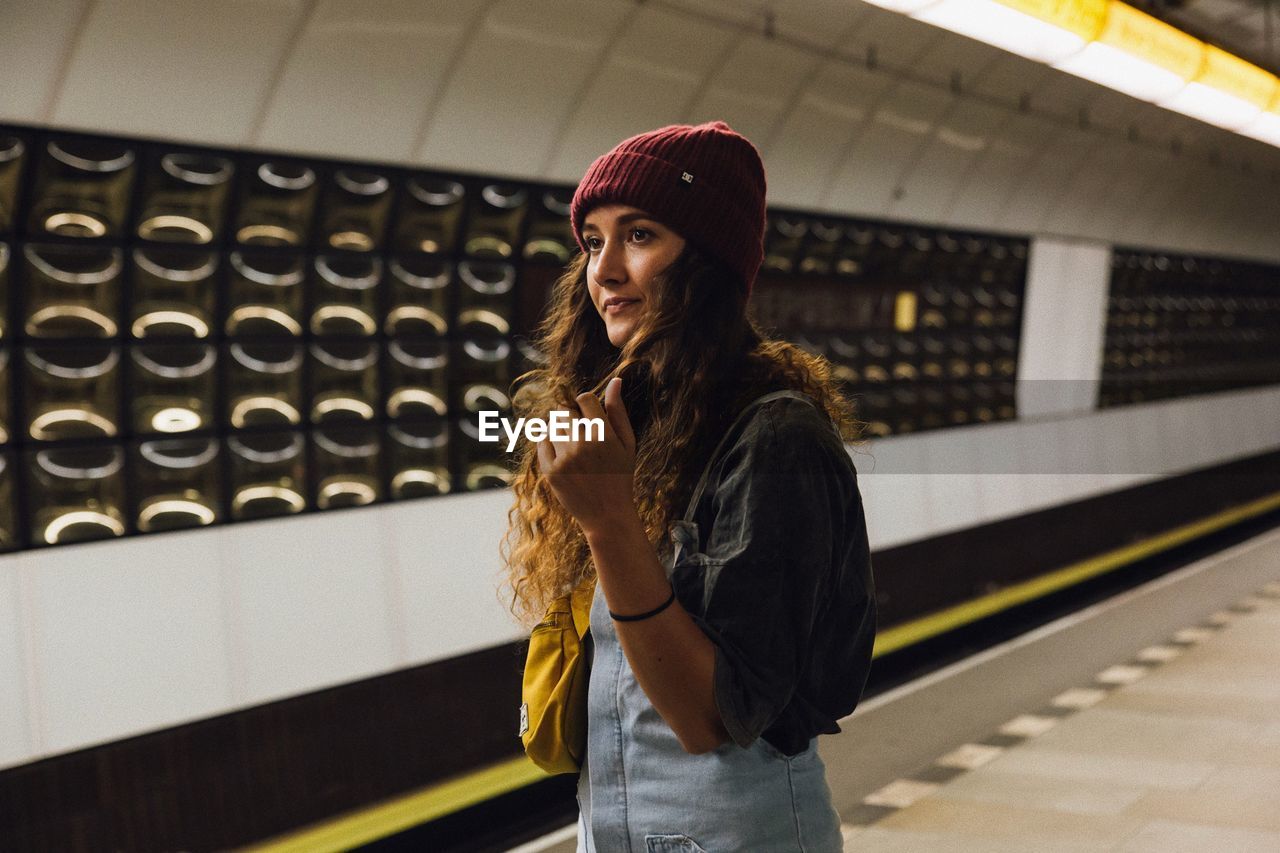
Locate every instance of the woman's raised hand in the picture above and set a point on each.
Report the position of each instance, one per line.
(594, 479)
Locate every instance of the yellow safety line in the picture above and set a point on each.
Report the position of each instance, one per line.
(966, 612)
(375, 822)
(370, 824)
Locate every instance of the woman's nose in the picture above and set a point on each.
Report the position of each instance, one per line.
(610, 263)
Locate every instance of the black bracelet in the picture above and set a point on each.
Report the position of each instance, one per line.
(654, 612)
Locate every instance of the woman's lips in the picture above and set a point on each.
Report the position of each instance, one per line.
(615, 307)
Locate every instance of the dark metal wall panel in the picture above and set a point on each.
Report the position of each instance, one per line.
(244, 776)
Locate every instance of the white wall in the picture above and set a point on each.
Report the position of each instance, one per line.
(105, 640)
(921, 485)
(1064, 320)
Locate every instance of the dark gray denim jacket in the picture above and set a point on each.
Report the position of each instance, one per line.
(774, 566)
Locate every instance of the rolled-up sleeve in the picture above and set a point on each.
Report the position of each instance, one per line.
(770, 559)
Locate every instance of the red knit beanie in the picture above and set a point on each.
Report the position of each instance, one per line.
(704, 181)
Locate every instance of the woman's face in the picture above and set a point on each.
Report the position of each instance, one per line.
(626, 252)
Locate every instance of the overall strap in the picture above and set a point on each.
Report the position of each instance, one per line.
(715, 454)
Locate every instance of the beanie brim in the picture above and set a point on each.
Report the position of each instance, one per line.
(705, 182)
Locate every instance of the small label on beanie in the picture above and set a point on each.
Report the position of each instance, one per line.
(686, 177)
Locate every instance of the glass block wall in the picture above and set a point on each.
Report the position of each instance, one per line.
(1180, 325)
(922, 323)
(192, 336)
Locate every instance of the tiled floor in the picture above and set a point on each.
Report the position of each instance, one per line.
(1176, 749)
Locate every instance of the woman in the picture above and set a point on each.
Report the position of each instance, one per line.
(726, 640)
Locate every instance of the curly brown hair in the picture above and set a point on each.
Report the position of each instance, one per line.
(693, 362)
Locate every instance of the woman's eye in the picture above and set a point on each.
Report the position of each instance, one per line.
(639, 235)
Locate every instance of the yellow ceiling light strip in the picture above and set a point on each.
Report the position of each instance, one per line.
(1115, 45)
(1043, 30)
(1231, 74)
(1152, 40)
(1266, 127)
(1137, 54)
(1082, 17)
(1227, 91)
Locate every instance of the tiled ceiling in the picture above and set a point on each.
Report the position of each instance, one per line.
(856, 110)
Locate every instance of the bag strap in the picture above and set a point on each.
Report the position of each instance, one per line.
(715, 454)
(580, 607)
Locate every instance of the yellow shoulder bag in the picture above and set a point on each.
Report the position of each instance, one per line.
(553, 718)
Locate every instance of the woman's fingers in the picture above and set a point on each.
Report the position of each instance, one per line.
(589, 405)
(615, 454)
(591, 478)
(566, 445)
(592, 409)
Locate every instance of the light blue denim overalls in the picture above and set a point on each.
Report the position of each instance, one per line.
(640, 792)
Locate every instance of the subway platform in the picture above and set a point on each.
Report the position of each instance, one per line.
(1149, 721)
(1173, 747)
